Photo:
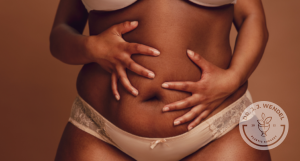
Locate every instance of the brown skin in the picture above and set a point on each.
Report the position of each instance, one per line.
(217, 84)
(201, 29)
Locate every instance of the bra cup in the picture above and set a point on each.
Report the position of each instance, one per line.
(213, 3)
(110, 5)
(106, 5)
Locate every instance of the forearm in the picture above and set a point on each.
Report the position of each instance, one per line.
(250, 45)
(69, 46)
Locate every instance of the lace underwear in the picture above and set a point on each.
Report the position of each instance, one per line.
(177, 147)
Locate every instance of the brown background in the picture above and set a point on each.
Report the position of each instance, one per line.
(37, 90)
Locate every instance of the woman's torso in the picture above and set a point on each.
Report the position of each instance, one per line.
(171, 26)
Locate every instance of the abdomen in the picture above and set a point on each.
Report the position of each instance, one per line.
(172, 28)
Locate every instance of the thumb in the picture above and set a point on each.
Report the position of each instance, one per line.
(199, 60)
(126, 26)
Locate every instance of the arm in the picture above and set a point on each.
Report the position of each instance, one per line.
(66, 40)
(250, 22)
(108, 48)
(217, 84)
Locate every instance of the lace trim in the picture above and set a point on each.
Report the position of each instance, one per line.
(220, 125)
(88, 118)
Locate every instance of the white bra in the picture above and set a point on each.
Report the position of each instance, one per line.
(110, 5)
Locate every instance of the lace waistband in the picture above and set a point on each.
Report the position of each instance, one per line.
(229, 117)
(88, 119)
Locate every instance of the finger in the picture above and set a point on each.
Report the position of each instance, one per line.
(126, 26)
(133, 66)
(199, 60)
(114, 82)
(193, 113)
(187, 86)
(182, 104)
(136, 48)
(197, 121)
(125, 82)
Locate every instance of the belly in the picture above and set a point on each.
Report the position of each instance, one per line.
(162, 26)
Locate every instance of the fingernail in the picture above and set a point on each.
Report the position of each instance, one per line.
(156, 52)
(165, 85)
(135, 92)
(166, 108)
(176, 123)
(151, 75)
(190, 52)
(133, 23)
(117, 97)
(190, 128)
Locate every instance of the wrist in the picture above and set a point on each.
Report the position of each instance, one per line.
(88, 43)
(236, 78)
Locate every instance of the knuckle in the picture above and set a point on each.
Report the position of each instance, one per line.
(114, 30)
(185, 86)
(209, 67)
(113, 78)
(204, 97)
(113, 27)
(126, 24)
(206, 112)
(130, 64)
(199, 119)
(171, 85)
(113, 87)
(201, 97)
(114, 90)
(119, 76)
(203, 87)
(137, 47)
(126, 47)
(172, 107)
(195, 111)
(201, 116)
(117, 57)
(197, 97)
(176, 106)
(186, 103)
(122, 46)
(144, 72)
(197, 57)
(120, 73)
(185, 118)
(196, 122)
(124, 81)
(122, 57)
(192, 114)
(112, 84)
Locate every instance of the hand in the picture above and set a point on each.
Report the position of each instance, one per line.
(113, 53)
(214, 86)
